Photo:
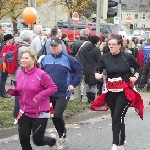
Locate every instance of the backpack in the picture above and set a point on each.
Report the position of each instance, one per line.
(8, 59)
(42, 51)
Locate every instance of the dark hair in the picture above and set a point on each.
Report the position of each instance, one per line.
(64, 35)
(1, 26)
(141, 41)
(94, 39)
(54, 31)
(136, 41)
(117, 37)
(133, 39)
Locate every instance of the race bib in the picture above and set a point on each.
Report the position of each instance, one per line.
(114, 84)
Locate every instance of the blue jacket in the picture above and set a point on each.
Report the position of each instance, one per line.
(48, 47)
(146, 49)
(64, 70)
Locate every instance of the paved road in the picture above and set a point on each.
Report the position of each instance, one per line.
(95, 133)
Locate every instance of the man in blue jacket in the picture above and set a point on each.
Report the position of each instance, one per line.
(66, 72)
(55, 32)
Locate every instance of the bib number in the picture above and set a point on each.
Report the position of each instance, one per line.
(114, 84)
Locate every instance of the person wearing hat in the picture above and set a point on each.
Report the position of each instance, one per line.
(88, 56)
(60, 67)
(8, 38)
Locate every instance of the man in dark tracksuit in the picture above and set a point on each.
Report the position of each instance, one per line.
(66, 72)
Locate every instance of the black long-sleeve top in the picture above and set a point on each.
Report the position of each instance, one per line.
(118, 65)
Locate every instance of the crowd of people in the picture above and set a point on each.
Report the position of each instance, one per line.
(108, 68)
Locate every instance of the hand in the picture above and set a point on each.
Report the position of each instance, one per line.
(70, 88)
(133, 79)
(35, 101)
(98, 76)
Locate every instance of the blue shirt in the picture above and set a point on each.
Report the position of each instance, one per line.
(64, 70)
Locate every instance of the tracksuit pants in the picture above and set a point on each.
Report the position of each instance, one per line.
(118, 104)
(37, 126)
(59, 104)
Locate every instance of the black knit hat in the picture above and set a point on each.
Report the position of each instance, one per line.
(8, 37)
(94, 39)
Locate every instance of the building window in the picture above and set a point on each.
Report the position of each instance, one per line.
(144, 16)
(121, 16)
(123, 6)
(143, 25)
(136, 16)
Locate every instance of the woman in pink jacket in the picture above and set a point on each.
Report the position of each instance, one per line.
(34, 87)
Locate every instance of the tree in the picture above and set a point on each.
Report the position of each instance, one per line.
(70, 6)
(14, 8)
(110, 20)
(4, 8)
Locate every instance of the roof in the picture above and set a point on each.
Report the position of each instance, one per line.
(141, 5)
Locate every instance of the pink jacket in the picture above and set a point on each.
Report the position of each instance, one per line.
(34, 84)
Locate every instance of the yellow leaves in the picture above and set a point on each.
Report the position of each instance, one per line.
(13, 8)
(70, 6)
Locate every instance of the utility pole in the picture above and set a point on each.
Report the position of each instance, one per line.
(98, 17)
(119, 10)
(32, 3)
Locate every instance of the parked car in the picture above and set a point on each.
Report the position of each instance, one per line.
(144, 37)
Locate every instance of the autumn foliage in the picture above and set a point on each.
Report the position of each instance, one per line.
(70, 6)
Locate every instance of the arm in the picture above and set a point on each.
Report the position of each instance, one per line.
(64, 48)
(136, 66)
(98, 54)
(99, 69)
(76, 68)
(38, 45)
(12, 92)
(49, 88)
(48, 46)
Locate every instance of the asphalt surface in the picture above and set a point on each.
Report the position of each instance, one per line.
(92, 131)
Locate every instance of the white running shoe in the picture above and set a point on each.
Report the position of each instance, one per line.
(114, 147)
(62, 143)
(125, 143)
(121, 147)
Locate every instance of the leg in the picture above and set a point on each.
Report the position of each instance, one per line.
(24, 128)
(3, 78)
(16, 105)
(60, 106)
(119, 106)
(93, 91)
(38, 129)
(88, 93)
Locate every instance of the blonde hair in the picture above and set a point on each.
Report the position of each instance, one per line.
(33, 55)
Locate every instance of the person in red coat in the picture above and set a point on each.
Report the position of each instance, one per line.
(65, 39)
(8, 38)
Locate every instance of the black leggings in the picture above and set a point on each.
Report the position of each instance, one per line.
(59, 104)
(118, 105)
(38, 126)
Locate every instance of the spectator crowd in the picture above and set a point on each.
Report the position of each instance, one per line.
(59, 67)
